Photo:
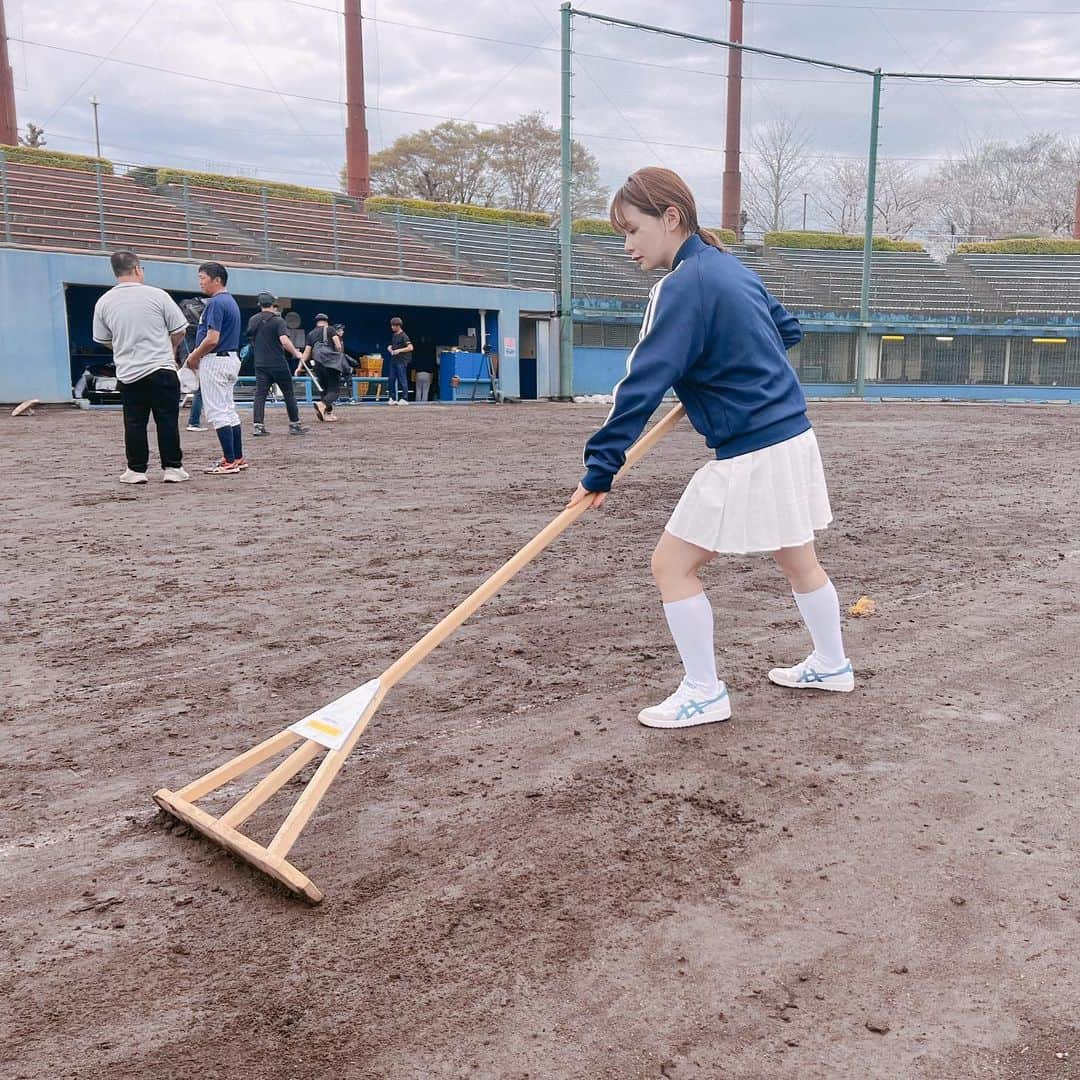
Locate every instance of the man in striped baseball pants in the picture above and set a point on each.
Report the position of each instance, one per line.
(216, 358)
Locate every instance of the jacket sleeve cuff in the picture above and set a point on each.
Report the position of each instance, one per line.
(595, 480)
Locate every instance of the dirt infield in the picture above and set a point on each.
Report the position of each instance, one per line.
(521, 882)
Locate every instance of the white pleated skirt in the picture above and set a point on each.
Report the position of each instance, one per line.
(761, 501)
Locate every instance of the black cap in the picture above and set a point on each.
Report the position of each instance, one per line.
(325, 318)
(266, 300)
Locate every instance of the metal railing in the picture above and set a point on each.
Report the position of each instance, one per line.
(95, 212)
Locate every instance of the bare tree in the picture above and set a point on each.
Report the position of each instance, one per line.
(515, 165)
(448, 163)
(527, 159)
(778, 167)
(901, 196)
(841, 195)
(996, 188)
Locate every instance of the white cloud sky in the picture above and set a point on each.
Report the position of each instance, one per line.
(634, 92)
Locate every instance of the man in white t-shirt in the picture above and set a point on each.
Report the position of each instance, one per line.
(143, 326)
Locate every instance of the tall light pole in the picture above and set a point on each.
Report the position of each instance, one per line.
(357, 164)
(805, 196)
(9, 131)
(732, 187)
(97, 133)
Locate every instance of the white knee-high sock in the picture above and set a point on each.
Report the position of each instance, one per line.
(820, 610)
(691, 625)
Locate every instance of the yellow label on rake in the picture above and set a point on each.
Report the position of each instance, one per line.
(331, 725)
(327, 729)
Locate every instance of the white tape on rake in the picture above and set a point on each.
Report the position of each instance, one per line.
(331, 725)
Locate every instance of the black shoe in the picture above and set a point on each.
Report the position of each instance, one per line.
(260, 429)
(297, 429)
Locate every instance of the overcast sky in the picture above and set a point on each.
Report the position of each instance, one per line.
(267, 97)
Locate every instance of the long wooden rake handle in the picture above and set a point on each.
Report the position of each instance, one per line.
(329, 766)
(272, 858)
(439, 633)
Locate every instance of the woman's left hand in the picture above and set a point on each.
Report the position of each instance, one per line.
(582, 493)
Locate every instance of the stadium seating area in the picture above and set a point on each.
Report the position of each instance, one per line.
(67, 209)
(1028, 285)
(302, 234)
(60, 209)
(902, 283)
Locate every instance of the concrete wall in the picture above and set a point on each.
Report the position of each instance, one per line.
(597, 370)
(35, 360)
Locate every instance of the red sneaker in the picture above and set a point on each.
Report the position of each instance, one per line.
(223, 468)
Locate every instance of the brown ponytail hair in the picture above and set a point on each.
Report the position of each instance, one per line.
(652, 190)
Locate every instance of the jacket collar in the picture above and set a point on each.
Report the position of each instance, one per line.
(691, 246)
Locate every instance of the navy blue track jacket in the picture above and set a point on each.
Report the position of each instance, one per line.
(714, 334)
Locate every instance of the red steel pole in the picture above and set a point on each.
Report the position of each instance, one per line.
(732, 204)
(9, 129)
(357, 167)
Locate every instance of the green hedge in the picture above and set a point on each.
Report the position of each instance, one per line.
(56, 159)
(603, 227)
(593, 226)
(160, 177)
(725, 236)
(1044, 246)
(383, 204)
(825, 241)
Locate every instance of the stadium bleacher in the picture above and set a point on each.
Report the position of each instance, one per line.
(903, 283)
(1034, 285)
(301, 234)
(519, 255)
(69, 209)
(59, 208)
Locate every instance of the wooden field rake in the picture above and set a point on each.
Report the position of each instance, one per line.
(336, 728)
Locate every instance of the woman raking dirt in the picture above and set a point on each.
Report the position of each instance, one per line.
(714, 334)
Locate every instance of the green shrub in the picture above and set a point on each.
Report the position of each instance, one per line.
(242, 184)
(594, 226)
(56, 159)
(725, 236)
(388, 204)
(1043, 246)
(824, 241)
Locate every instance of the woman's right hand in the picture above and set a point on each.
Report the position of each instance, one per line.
(582, 493)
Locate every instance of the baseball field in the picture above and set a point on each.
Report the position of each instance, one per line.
(522, 882)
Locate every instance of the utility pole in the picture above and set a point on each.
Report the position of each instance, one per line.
(9, 129)
(805, 196)
(732, 195)
(97, 133)
(357, 165)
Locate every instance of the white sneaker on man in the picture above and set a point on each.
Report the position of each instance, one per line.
(812, 674)
(176, 476)
(688, 707)
(195, 427)
(129, 476)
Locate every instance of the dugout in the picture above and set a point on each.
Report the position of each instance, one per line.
(47, 300)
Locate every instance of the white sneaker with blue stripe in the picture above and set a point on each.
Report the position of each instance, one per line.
(688, 707)
(812, 674)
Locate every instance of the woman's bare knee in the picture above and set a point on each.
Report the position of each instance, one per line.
(675, 566)
(801, 567)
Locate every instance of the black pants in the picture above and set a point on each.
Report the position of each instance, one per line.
(159, 394)
(331, 384)
(264, 378)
